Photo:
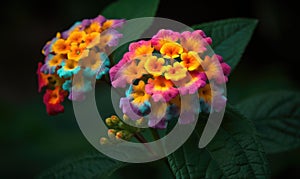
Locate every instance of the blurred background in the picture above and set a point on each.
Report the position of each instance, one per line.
(31, 141)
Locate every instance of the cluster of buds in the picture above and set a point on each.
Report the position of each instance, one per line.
(122, 129)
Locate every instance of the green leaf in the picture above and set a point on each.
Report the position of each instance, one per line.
(230, 37)
(130, 9)
(235, 152)
(92, 165)
(276, 116)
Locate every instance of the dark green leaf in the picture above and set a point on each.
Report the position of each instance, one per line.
(276, 116)
(93, 165)
(130, 9)
(230, 37)
(235, 152)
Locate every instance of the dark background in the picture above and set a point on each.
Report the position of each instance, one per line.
(31, 141)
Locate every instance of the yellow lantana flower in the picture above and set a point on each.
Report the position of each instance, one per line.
(155, 66)
(171, 50)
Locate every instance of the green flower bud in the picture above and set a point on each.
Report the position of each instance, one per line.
(114, 119)
(108, 122)
(125, 135)
(126, 118)
(140, 122)
(111, 133)
(104, 140)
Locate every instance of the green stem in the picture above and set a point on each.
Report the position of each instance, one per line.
(141, 138)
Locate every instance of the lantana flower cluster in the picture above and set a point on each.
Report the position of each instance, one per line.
(81, 50)
(159, 72)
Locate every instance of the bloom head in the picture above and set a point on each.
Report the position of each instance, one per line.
(80, 50)
(161, 69)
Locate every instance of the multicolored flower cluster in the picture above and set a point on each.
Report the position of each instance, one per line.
(159, 72)
(162, 76)
(80, 51)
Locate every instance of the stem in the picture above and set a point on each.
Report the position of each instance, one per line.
(141, 138)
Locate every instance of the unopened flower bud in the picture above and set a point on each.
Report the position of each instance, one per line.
(103, 141)
(126, 118)
(114, 119)
(111, 133)
(119, 135)
(108, 122)
(125, 135)
(140, 122)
